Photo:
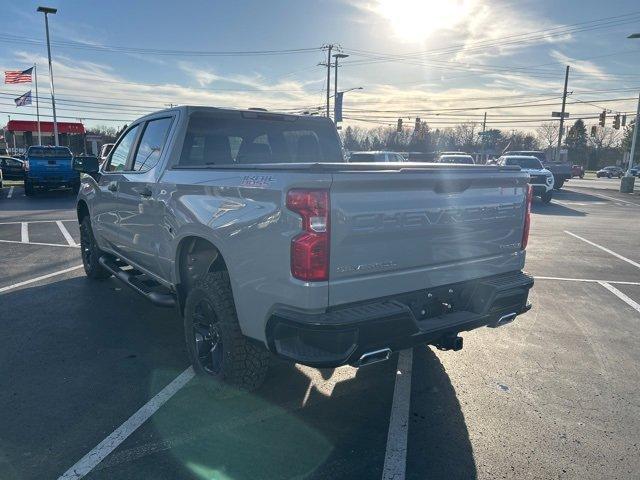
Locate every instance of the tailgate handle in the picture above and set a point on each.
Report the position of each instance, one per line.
(451, 186)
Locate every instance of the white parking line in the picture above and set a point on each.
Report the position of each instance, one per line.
(587, 280)
(10, 194)
(621, 296)
(65, 233)
(37, 279)
(41, 243)
(614, 199)
(24, 232)
(120, 434)
(40, 221)
(604, 249)
(395, 459)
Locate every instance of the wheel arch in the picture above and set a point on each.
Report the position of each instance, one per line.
(82, 210)
(195, 256)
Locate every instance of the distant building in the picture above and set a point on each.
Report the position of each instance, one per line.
(21, 134)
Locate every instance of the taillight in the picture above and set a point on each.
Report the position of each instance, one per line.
(310, 249)
(527, 217)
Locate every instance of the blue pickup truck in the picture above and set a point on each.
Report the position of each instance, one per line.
(49, 167)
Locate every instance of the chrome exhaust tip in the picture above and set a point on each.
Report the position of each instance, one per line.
(508, 318)
(374, 357)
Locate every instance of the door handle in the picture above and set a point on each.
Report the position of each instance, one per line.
(145, 192)
(112, 187)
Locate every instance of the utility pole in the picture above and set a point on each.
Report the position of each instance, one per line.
(47, 11)
(35, 77)
(484, 128)
(564, 102)
(335, 78)
(628, 181)
(329, 48)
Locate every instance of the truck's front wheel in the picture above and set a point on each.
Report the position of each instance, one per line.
(217, 348)
(90, 252)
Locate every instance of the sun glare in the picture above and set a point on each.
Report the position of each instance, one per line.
(416, 20)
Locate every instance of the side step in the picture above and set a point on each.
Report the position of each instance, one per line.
(131, 279)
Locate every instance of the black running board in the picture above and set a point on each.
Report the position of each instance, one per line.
(166, 300)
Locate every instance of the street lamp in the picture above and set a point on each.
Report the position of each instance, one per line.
(47, 11)
(627, 182)
(336, 56)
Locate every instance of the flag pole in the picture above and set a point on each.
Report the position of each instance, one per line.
(35, 76)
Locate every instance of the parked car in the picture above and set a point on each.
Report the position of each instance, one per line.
(541, 179)
(610, 172)
(456, 158)
(12, 168)
(375, 157)
(577, 171)
(253, 226)
(635, 171)
(49, 167)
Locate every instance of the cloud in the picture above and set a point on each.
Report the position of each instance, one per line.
(582, 66)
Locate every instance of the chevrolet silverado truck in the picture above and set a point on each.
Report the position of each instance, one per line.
(267, 242)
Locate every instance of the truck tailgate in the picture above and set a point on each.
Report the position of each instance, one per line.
(404, 230)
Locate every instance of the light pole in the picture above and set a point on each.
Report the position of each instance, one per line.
(47, 11)
(628, 181)
(336, 56)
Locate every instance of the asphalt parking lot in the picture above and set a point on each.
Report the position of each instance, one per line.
(96, 381)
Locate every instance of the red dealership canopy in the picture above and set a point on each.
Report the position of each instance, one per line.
(45, 127)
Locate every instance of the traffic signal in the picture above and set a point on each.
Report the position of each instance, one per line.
(603, 118)
(624, 120)
(399, 125)
(616, 121)
(594, 131)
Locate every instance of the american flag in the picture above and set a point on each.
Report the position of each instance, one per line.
(18, 76)
(23, 100)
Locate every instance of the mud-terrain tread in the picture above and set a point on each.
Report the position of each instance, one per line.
(245, 363)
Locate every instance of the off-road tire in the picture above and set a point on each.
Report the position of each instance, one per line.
(28, 188)
(242, 363)
(558, 185)
(90, 252)
(546, 196)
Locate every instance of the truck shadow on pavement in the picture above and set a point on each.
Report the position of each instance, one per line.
(554, 208)
(80, 357)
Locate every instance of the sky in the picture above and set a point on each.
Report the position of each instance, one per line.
(446, 61)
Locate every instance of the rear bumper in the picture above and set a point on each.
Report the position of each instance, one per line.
(52, 182)
(343, 334)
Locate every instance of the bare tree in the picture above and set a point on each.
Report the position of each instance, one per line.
(547, 134)
(604, 138)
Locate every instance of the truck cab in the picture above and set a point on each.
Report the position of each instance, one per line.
(49, 167)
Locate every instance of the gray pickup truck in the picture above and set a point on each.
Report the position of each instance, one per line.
(252, 226)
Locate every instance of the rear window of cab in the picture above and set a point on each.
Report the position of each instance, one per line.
(36, 152)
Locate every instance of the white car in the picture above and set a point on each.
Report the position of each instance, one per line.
(457, 158)
(541, 178)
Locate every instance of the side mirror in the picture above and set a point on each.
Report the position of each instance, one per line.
(86, 164)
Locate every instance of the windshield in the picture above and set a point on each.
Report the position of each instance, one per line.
(363, 157)
(524, 162)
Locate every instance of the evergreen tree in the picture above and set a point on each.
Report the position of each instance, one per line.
(576, 142)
